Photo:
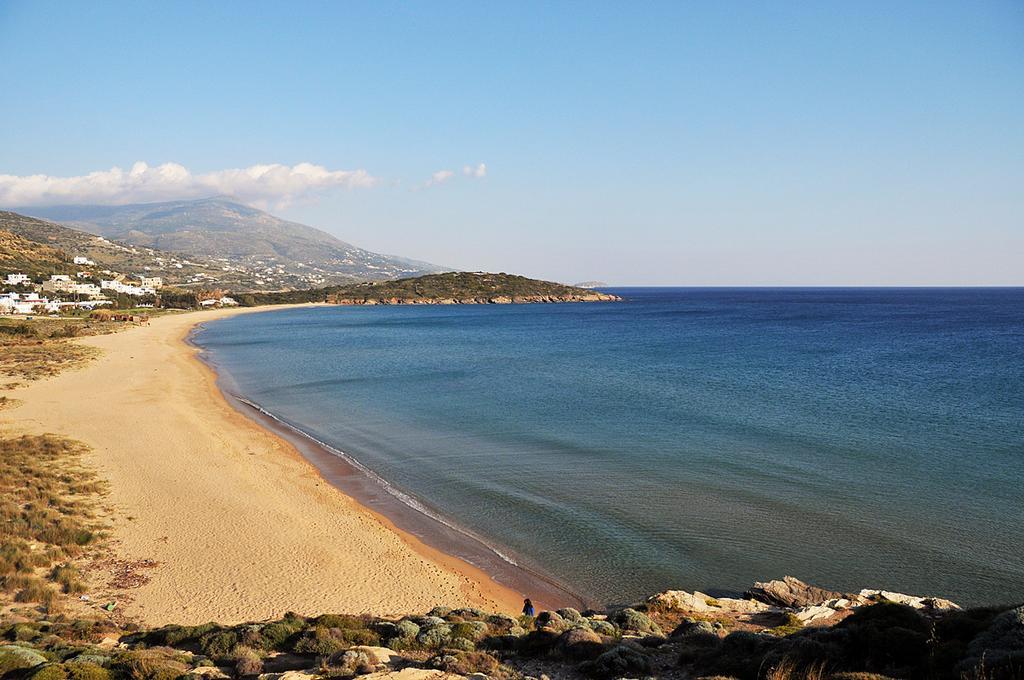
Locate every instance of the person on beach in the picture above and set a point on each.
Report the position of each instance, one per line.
(527, 607)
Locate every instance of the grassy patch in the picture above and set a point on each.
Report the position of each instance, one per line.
(47, 503)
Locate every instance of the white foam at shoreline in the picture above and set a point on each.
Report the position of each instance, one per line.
(403, 497)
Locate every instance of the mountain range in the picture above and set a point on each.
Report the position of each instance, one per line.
(278, 253)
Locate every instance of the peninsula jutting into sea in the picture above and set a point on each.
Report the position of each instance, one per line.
(511, 341)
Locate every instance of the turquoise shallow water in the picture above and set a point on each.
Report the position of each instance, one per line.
(684, 438)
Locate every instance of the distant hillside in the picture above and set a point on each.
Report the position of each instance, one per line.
(447, 288)
(110, 255)
(232, 233)
(20, 255)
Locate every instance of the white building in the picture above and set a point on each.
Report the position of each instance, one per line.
(28, 303)
(125, 288)
(16, 279)
(81, 259)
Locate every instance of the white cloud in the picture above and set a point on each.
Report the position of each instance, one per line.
(266, 185)
(478, 171)
(439, 177)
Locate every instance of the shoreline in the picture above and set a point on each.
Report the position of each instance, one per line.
(241, 525)
(436, 537)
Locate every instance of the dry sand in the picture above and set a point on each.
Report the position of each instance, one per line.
(241, 526)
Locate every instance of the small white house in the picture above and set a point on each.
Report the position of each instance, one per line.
(81, 259)
(16, 279)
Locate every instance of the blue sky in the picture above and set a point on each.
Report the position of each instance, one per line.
(635, 143)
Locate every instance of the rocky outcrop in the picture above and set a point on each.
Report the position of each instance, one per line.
(791, 592)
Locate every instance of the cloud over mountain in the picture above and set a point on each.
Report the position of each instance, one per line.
(264, 185)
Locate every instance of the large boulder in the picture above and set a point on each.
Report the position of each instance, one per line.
(915, 601)
(681, 600)
(791, 592)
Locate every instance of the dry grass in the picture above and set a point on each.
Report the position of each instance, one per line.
(35, 359)
(47, 517)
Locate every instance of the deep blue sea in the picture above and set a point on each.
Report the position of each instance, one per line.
(683, 438)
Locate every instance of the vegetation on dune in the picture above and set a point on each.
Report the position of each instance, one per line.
(47, 517)
(35, 349)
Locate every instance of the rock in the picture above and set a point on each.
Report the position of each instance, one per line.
(580, 644)
(680, 600)
(813, 613)
(791, 592)
(932, 603)
(690, 628)
(378, 656)
(290, 675)
(742, 606)
(352, 662)
(406, 674)
(618, 662)
(207, 673)
(636, 622)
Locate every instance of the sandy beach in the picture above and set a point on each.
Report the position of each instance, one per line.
(240, 526)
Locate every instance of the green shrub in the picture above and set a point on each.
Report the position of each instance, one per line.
(318, 640)
(13, 657)
(149, 664)
(466, 663)
(52, 671)
(791, 624)
(86, 671)
(219, 644)
(274, 636)
(470, 630)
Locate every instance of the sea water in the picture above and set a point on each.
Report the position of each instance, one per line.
(682, 438)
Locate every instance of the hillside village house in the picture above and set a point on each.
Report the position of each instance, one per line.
(16, 279)
(31, 303)
(153, 282)
(126, 288)
(61, 283)
(27, 303)
(80, 259)
(219, 302)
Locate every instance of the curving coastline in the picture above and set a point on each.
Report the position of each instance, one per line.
(404, 512)
(240, 525)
